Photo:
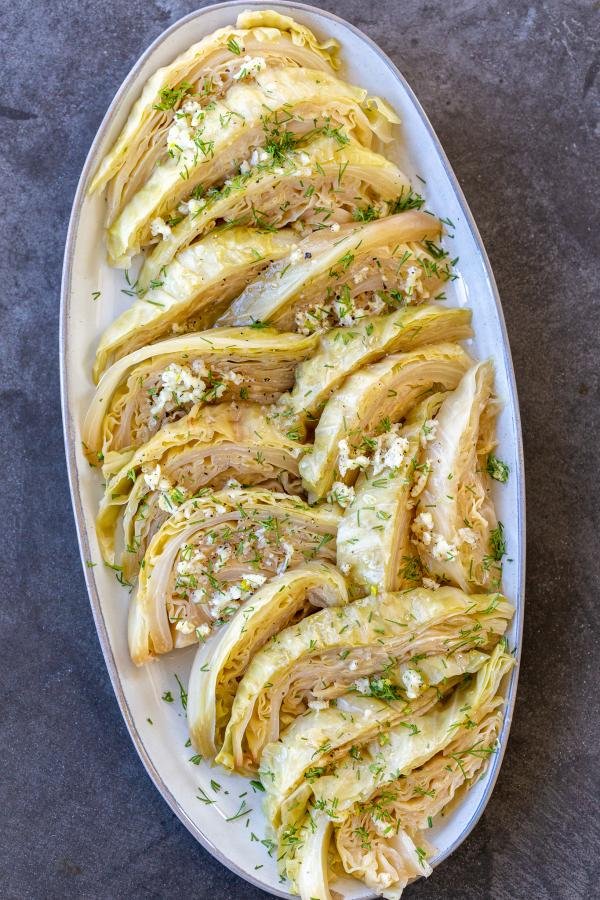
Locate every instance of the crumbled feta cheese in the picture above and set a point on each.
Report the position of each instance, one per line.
(223, 554)
(244, 167)
(289, 552)
(313, 319)
(180, 138)
(318, 704)
(295, 257)
(304, 160)
(159, 226)
(362, 685)
(335, 226)
(203, 630)
(431, 584)
(413, 275)
(258, 156)
(421, 480)
(234, 377)
(413, 683)
(232, 484)
(361, 275)
(341, 493)
(389, 452)
(346, 462)
(353, 665)
(428, 432)
(250, 65)
(193, 109)
(442, 550)
(198, 596)
(191, 207)
(467, 536)
(345, 310)
(185, 626)
(422, 528)
(156, 481)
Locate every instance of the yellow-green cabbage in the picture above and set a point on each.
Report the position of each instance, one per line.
(220, 664)
(212, 554)
(367, 401)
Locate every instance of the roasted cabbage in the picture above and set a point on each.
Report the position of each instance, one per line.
(160, 383)
(373, 541)
(342, 351)
(193, 292)
(317, 182)
(455, 530)
(212, 554)
(220, 664)
(209, 448)
(359, 779)
(320, 658)
(341, 274)
(367, 402)
(205, 147)
(202, 74)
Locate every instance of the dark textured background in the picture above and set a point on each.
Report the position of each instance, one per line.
(512, 90)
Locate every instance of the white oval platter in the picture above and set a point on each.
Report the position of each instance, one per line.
(158, 728)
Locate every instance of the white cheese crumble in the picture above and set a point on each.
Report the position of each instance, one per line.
(335, 226)
(421, 480)
(318, 704)
(362, 685)
(180, 138)
(250, 66)
(185, 626)
(467, 536)
(193, 109)
(389, 451)
(442, 550)
(346, 462)
(289, 552)
(413, 276)
(431, 584)
(341, 493)
(428, 432)
(203, 630)
(413, 683)
(422, 528)
(159, 226)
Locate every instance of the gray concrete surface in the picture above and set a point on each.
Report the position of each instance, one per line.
(512, 90)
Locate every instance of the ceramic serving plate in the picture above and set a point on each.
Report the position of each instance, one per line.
(231, 827)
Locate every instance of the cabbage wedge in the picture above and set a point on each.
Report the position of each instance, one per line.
(162, 382)
(219, 665)
(343, 274)
(327, 652)
(320, 181)
(341, 352)
(314, 741)
(212, 554)
(367, 402)
(205, 149)
(456, 531)
(356, 780)
(382, 842)
(197, 77)
(205, 450)
(194, 291)
(373, 541)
